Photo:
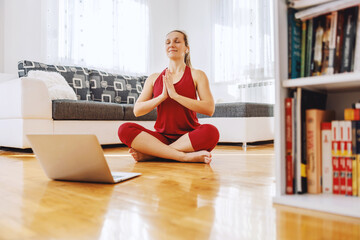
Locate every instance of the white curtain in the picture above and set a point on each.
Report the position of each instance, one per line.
(244, 48)
(110, 35)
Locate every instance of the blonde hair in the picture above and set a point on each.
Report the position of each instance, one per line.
(187, 55)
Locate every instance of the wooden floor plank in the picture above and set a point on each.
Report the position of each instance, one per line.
(229, 199)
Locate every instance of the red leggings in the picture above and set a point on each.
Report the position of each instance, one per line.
(205, 137)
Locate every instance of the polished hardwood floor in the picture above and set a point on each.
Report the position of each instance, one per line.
(229, 199)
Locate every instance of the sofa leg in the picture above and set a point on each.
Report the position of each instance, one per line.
(244, 145)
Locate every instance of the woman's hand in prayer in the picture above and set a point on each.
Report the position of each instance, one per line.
(169, 84)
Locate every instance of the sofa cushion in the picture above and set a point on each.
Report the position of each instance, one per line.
(86, 110)
(77, 77)
(91, 110)
(240, 109)
(57, 86)
(115, 88)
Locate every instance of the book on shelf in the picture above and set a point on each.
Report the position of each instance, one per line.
(345, 162)
(342, 175)
(289, 133)
(318, 47)
(339, 41)
(342, 157)
(314, 118)
(329, 41)
(310, 40)
(348, 159)
(327, 173)
(303, 99)
(335, 155)
(303, 49)
(294, 49)
(326, 43)
(351, 16)
(352, 114)
(357, 46)
(355, 132)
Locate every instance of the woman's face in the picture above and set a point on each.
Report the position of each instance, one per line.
(175, 45)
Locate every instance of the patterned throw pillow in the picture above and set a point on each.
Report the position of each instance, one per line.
(107, 87)
(77, 77)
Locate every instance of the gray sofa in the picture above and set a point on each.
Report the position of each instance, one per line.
(105, 101)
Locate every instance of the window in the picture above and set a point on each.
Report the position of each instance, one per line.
(103, 34)
(244, 50)
(243, 40)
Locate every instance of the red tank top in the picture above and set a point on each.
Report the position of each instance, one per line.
(173, 119)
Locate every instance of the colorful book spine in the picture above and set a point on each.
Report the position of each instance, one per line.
(349, 114)
(289, 105)
(294, 42)
(314, 118)
(332, 43)
(342, 158)
(309, 44)
(349, 39)
(352, 114)
(358, 171)
(356, 114)
(306, 99)
(327, 174)
(348, 157)
(355, 130)
(335, 152)
(303, 49)
(339, 41)
(357, 46)
(326, 45)
(318, 54)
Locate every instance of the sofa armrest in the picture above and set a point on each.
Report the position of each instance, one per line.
(24, 98)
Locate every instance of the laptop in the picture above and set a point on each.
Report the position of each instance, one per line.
(77, 158)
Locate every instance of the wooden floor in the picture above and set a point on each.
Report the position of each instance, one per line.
(229, 199)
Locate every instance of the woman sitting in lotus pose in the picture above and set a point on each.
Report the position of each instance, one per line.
(178, 92)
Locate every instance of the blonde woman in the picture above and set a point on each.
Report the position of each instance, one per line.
(178, 93)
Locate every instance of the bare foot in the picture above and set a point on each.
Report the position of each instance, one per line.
(138, 156)
(200, 156)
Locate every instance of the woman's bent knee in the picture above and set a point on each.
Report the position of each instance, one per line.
(128, 131)
(205, 137)
(212, 136)
(211, 132)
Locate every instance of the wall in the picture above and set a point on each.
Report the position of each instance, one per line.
(1, 35)
(163, 17)
(195, 19)
(23, 34)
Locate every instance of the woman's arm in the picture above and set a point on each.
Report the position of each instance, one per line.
(205, 104)
(145, 103)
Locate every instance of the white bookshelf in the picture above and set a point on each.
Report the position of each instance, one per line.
(332, 83)
(342, 89)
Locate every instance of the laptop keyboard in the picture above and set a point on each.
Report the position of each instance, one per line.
(118, 177)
